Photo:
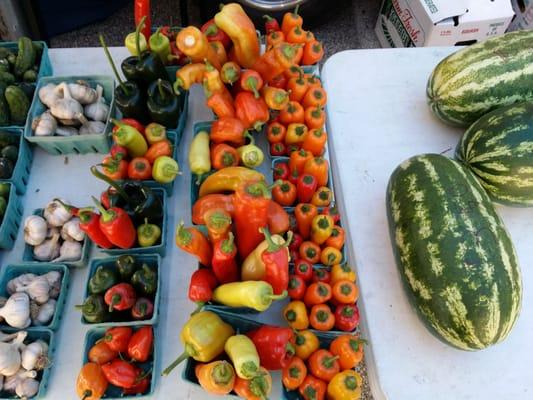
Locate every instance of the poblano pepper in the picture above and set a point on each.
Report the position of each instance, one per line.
(145, 280)
(163, 104)
(94, 309)
(126, 266)
(102, 280)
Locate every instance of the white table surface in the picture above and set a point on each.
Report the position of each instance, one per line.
(378, 117)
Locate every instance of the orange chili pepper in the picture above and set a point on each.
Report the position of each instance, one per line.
(315, 117)
(298, 159)
(315, 141)
(296, 133)
(230, 72)
(321, 318)
(227, 130)
(304, 214)
(317, 293)
(296, 35)
(274, 38)
(251, 81)
(188, 75)
(294, 71)
(298, 87)
(349, 349)
(292, 113)
(315, 96)
(313, 81)
(345, 291)
(276, 132)
(291, 19)
(194, 242)
(158, 149)
(324, 365)
(223, 156)
(318, 167)
(337, 238)
(221, 104)
(322, 197)
(275, 98)
(220, 51)
(313, 388)
(294, 373)
(309, 252)
(194, 44)
(284, 193)
(313, 52)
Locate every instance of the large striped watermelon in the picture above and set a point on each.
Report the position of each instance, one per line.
(498, 149)
(456, 259)
(477, 79)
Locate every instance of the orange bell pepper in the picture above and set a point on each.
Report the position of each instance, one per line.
(345, 292)
(337, 238)
(321, 318)
(296, 35)
(292, 113)
(223, 156)
(188, 75)
(349, 349)
(251, 81)
(315, 141)
(222, 104)
(220, 51)
(315, 117)
(251, 111)
(275, 98)
(275, 132)
(194, 44)
(159, 149)
(304, 214)
(298, 159)
(274, 38)
(217, 377)
(318, 167)
(296, 133)
(239, 27)
(313, 81)
(313, 52)
(315, 96)
(227, 130)
(290, 20)
(294, 373)
(284, 193)
(230, 72)
(298, 87)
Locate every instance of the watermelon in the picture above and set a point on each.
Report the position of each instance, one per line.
(456, 259)
(498, 149)
(475, 80)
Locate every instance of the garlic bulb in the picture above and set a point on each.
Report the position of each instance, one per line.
(7, 337)
(53, 278)
(48, 94)
(67, 108)
(66, 131)
(23, 279)
(10, 355)
(44, 125)
(16, 311)
(48, 250)
(71, 230)
(98, 110)
(27, 388)
(10, 383)
(35, 356)
(82, 92)
(35, 228)
(55, 214)
(69, 251)
(92, 127)
(37, 289)
(51, 232)
(44, 313)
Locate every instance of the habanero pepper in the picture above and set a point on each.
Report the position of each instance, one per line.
(274, 344)
(193, 241)
(295, 314)
(322, 197)
(223, 155)
(194, 43)
(306, 188)
(310, 252)
(224, 264)
(305, 213)
(284, 193)
(203, 282)
(117, 226)
(346, 317)
(281, 171)
(214, 34)
(278, 149)
(276, 132)
(227, 130)
(315, 141)
(120, 297)
(321, 318)
(276, 262)
(121, 373)
(253, 112)
(140, 344)
(292, 113)
(230, 72)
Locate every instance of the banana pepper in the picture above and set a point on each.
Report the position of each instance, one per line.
(188, 75)
(228, 179)
(243, 354)
(253, 294)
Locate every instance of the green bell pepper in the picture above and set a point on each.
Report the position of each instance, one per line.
(94, 309)
(144, 280)
(102, 280)
(126, 266)
(163, 104)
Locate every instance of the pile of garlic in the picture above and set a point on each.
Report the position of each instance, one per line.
(57, 237)
(71, 105)
(32, 299)
(20, 363)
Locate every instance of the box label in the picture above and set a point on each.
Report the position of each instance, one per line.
(397, 19)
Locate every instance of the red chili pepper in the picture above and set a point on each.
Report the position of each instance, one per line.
(140, 345)
(118, 152)
(131, 122)
(281, 171)
(105, 198)
(276, 260)
(321, 275)
(117, 226)
(121, 373)
(194, 242)
(120, 297)
(203, 282)
(275, 345)
(304, 269)
(271, 24)
(224, 264)
(118, 338)
(333, 212)
(278, 149)
(115, 168)
(306, 188)
(89, 223)
(346, 317)
(215, 34)
(297, 240)
(297, 287)
(142, 9)
(141, 386)
(142, 309)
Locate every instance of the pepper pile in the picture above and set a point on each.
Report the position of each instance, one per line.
(140, 153)
(318, 373)
(123, 358)
(121, 291)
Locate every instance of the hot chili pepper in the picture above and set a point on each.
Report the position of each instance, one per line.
(296, 133)
(117, 226)
(274, 344)
(221, 104)
(257, 388)
(220, 51)
(253, 267)
(310, 252)
(90, 224)
(100, 353)
(271, 24)
(163, 105)
(279, 81)
(321, 228)
(139, 169)
(243, 354)
(193, 43)
(251, 213)
(165, 169)
(315, 142)
(145, 280)
(251, 111)
(278, 149)
(321, 275)
(345, 292)
(188, 75)
(158, 149)
(291, 19)
(125, 266)
(129, 137)
(203, 337)
(281, 171)
(305, 213)
(274, 38)
(346, 317)
(317, 293)
(294, 373)
(115, 168)
(292, 113)
(313, 52)
(118, 152)
(330, 256)
(250, 155)
(297, 287)
(349, 349)
(140, 344)
(306, 188)
(160, 44)
(297, 162)
(118, 338)
(120, 373)
(224, 264)
(276, 262)
(233, 20)
(201, 286)
(142, 385)
(142, 13)
(214, 33)
(94, 309)
(323, 365)
(91, 383)
(275, 61)
(217, 377)
(304, 270)
(275, 132)
(142, 309)
(284, 193)
(211, 201)
(306, 343)
(321, 318)
(295, 314)
(313, 388)
(193, 241)
(102, 279)
(218, 223)
(345, 385)
(120, 297)
(230, 72)
(275, 98)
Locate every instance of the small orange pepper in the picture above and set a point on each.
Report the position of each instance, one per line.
(158, 149)
(313, 81)
(188, 75)
(319, 168)
(223, 156)
(294, 373)
(222, 104)
(313, 52)
(309, 36)
(317, 293)
(275, 98)
(321, 318)
(291, 19)
(220, 51)
(298, 159)
(337, 238)
(251, 81)
(298, 87)
(296, 35)
(274, 38)
(345, 291)
(292, 113)
(305, 213)
(284, 193)
(315, 96)
(276, 132)
(315, 141)
(322, 197)
(296, 133)
(309, 252)
(294, 71)
(315, 117)
(230, 72)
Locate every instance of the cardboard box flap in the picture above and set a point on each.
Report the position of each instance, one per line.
(439, 10)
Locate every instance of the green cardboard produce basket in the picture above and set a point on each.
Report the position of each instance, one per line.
(77, 144)
(12, 271)
(9, 225)
(110, 262)
(27, 256)
(21, 170)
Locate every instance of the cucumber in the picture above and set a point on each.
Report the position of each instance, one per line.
(27, 87)
(4, 108)
(25, 56)
(18, 104)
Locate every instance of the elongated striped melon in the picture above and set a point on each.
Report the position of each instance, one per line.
(456, 259)
(475, 80)
(498, 149)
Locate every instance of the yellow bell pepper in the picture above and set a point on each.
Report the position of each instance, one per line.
(330, 256)
(253, 294)
(340, 272)
(199, 157)
(243, 354)
(345, 385)
(321, 228)
(295, 314)
(228, 179)
(203, 336)
(306, 344)
(253, 267)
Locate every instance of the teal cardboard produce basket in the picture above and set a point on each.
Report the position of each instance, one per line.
(21, 170)
(10, 224)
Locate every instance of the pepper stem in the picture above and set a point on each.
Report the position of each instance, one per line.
(176, 362)
(227, 246)
(137, 36)
(183, 235)
(274, 297)
(71, 209)
(199, 306)
(114, 301)
(296, 10)
(251, 82)
(273, 247)
(248, 135)
(161, 90)
(113, 66)
(110, 181)
(258, 189)
(86, 394)
(267, 17)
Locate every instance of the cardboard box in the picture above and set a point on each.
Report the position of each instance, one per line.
(524, 15)
(416, 23)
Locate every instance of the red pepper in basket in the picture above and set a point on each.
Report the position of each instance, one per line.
(215, 34)
(275, 345)
(281, 171)
(202, 284)
(303, 269)
(297, 287)
(141, 387)
(89, 223)
(297, 240)
(346, 317)
(140, 344)
(276, 260)
(193, 241)
(118, 152)
(306, 187)
(120, 297)
(278, 149)
(333, 212)
(253, 112)
(271, 24)
(117, 338)
(224, 264)
(117, 226)
(121, 373)
(115, 168)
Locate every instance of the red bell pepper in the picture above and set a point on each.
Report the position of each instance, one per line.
(120, 297)
(224, 264)
(271, 24)
(118, 338)
(346, 317)
(117, 226)
(118, 152)
(252, 111)
(140, 344)
(297, 287)
(203, 282)
(278, 149)
(275, 345)
(121, 373)
(304, 269)
(281, 171)
(306, 188)
(90, 224)
(276, 260)
(321, 275)
(215, 34)
(193, 241)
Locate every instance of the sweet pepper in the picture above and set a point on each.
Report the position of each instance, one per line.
(243, 354)
(253, 266)
(94, 309)
(345, 385)
(102, 280)
(274, 344)
(276, 262)
(228, 179)
(253, 294)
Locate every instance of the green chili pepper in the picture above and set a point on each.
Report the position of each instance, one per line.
(165, 169)
(126, 266)
(160, 44)
(144, 280)
(102, 280)
(148, 234)
(94, 309)
(163, 104)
